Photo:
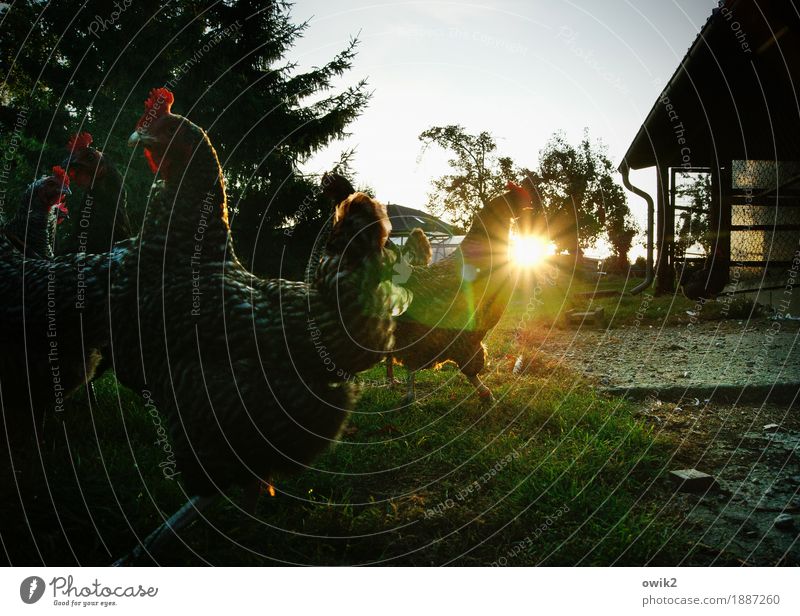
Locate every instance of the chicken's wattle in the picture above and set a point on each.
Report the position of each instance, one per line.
(151, 162)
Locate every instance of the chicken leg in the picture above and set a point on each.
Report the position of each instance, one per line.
(411, 395)
(390, 380)
(484, 392)
(162, 535)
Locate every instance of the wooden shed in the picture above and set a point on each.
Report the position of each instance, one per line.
(731, 110)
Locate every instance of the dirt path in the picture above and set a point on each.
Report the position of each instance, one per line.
(757, 470)
(752, 515)
(758, 352)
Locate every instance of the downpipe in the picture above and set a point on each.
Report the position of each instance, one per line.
(649, 274)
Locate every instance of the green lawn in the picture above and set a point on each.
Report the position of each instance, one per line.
(553, 291)
(555, 474)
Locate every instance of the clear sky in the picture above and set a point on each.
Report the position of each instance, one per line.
(519, 69)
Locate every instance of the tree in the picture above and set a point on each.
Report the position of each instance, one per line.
(580, 196)
(694, 191)
(620, 230)
(91, 68)
(478, 174)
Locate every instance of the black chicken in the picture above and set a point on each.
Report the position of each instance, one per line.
(708, 282)
(253, 375)
(103, 215)
(32, 228)
(336, 188)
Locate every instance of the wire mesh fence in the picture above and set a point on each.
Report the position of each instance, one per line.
(765, 218)
(764, 223)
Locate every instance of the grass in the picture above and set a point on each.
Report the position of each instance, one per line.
(556, 290)
(555, 473)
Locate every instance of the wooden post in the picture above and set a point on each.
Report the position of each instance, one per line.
(724, 193)
(665, 233)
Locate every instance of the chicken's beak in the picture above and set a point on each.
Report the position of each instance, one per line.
(145, 139)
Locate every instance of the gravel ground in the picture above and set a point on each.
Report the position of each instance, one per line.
(756, 470)
(758, 352)
(751, 516)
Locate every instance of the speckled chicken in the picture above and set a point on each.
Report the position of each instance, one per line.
(32, 228)
(415, 252)
(253, 375)
(55, 315)
(417, 249)
(459, 299)
(102, 217)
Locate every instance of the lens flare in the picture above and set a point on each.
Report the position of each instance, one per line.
(530, 250)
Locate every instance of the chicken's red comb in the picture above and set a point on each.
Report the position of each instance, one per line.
(518, 190)
(61, 176)
(160, 101)
(78, 141)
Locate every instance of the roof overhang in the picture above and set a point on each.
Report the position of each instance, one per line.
(733, 96)
(405, 219)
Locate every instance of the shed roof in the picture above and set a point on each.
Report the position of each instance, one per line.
(405, 219)
(734, 94)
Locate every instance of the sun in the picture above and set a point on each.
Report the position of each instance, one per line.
(530, 250)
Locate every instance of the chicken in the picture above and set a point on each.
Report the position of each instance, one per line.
(32, 229)
(254, 376)
(417, 250)
(336, 188)
(103, 217)
(457, 300)
(707, 282)
(55, 315)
